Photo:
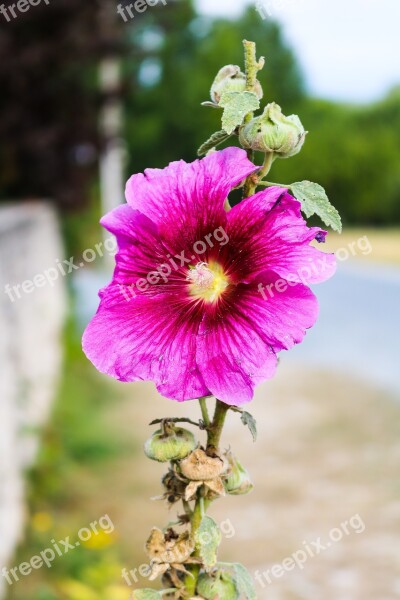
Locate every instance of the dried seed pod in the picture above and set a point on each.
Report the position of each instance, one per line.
(169, 547)
(174, 487)
(198, 466)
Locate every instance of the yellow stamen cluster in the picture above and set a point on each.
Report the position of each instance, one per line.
(207, 281)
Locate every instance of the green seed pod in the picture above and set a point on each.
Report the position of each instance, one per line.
(231, 79)
(273, 132)
(170, 443)
(217, 585)
(238, 480)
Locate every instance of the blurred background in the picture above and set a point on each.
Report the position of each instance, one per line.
(90, 95)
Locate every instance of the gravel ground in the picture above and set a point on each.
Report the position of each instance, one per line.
(327, 487)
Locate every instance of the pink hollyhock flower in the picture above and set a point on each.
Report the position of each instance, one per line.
(202, 300)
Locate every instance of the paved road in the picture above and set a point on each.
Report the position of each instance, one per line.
(358, 331)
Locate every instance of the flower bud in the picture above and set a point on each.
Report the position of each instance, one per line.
(238, 480)
(170, 443)
(231, 79)
(273, 132)
(217, 585)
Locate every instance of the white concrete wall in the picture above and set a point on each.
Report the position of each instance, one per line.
(30, 353)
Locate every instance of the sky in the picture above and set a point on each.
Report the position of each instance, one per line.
(349, 49)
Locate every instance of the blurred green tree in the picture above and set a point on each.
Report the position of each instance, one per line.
(354, 151)
(178, 55)
(50, 105)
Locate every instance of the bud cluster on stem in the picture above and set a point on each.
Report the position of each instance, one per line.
(196, 476)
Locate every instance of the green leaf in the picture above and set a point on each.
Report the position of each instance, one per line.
(217, 138)
(243, 580)
(314, 200)
(248, 420)
(207, 539)
(236, 106)
(209, 104)
(145, 594)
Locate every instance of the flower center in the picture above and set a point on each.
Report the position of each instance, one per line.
(207, 281)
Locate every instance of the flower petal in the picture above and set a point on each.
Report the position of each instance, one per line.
(232, 357)
(237, 352)
(268, 232)
(186, 200)
(140, 250)
(280, 311)
(143, 266)
(146, 338)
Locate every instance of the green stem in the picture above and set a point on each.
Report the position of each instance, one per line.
(213, 440)
(267, 164)
(191, 580)
(250, 62)
(252, 66)
(254, 180)
(215, 430)
(272, 184)
(204, 411)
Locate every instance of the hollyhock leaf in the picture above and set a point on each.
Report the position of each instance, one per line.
(251, 423)
(243, 579)
(209, 104)
(244, 582)
(217, 138)
(146, 594)
(236, 106)
(208, 538)
(314, 200)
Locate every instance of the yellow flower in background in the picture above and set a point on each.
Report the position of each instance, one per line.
(105, 572)
(116, 592)
(42, 521)
(99, 540)
(75, 590)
